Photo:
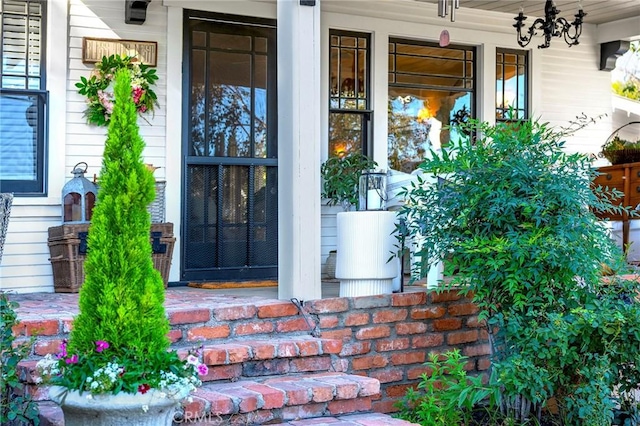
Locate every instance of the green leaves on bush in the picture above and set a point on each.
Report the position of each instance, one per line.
(341, 176)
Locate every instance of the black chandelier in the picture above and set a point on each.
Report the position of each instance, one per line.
(550, 26)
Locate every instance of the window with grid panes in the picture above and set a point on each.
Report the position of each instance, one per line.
(512, 97)
(431, 90)
(349, 95)
(23, 97)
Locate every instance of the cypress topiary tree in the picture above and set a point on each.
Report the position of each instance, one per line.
(121, 300)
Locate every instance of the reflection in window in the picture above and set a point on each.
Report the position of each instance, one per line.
(349, 113)
(431, 89)
(511, 85)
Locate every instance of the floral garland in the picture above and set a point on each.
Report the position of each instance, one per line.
(98, 88)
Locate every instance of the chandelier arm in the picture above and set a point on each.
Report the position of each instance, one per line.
(551, 26)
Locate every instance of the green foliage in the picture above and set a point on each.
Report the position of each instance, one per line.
(512, 213)
(97, 87)
(446, 396)
(121, 300)
(341, 176)
(16, 407)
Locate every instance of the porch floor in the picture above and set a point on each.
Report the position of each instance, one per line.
(55, 305)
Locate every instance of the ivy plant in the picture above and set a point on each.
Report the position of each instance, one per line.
(512, 213)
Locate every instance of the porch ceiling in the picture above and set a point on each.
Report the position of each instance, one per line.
(598, 11)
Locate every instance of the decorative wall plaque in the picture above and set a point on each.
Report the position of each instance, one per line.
(93, 49)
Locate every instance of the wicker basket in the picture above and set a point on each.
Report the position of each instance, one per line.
(67, 248)
(622, 156)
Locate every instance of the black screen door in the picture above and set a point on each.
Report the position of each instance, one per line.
(230, 229)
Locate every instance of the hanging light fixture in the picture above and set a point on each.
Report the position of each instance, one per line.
(445, 5)
(551, 26)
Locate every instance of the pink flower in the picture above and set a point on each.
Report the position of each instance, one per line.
(142, 108)
(144, 388)
(101, 345)
(73, 359)
(63, 349)
(203, 370)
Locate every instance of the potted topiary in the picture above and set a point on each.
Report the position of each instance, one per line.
(341, 176)
(116, 367)
(512, 213)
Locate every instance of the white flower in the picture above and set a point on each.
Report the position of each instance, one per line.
(145, 408)
(89, 396)
(192, 360)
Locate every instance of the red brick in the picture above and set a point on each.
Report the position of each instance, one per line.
(368, 362)
(297, 324)
(295, 394)
(262, 350)
(463, 309)
(408, 358)
(477, 350)
(409, 299)
(249, 400)
(331, 346)
(174, 335)
(356, 319)
(484, 363)
(368, 385)
(276, 310)
(326, 306)
(44, 347)
(345, 388)
(385, 406)
(370, 302)
(299, 365)
(232, 313)
(343, 334)
(320, 392)
(36, 328)
(428, 313)
(297, 412)
(399, 390)
(446, 324)
(356, 348)
(428, 340)
(214, 356)
(394, 315)
(223, 372)
(220, 404)
(445, 296)
(273, 398)
(484, 334)
(286, 349)
(237, 353)
(50, 414)
(208, 332)
(194, 409)
(411, 328)
(376, 332)
(349, 406)
(417, 372)
(189, 316)
(253, 328)
(329, 321)
(387, 376)
(459, 337)
(308, 347)
(392, 344)
(472, 322)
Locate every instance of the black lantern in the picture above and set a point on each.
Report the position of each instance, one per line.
(372, 193)
(78, 197)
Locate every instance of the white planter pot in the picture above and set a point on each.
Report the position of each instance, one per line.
(151, 408)
(366, 241)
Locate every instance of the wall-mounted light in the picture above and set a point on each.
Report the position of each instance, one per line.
(551, 26)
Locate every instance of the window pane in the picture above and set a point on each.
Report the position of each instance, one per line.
(419, 120)
(260, 107)
(511, 85)
(230, 42)
(345, 133)
(18, 137)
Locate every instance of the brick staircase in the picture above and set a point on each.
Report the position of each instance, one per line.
(265, 367)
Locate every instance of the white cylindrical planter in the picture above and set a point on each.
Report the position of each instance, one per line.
(366, 241)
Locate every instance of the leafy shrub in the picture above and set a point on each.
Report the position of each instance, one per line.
(512, 212)
(341, 176)
(446, 396)
(16, 407)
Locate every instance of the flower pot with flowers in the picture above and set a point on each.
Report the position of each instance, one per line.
(116, 367)
(98, 88)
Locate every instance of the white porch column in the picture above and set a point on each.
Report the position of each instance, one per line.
(299, 150)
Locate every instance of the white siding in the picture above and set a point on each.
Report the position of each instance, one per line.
(566, 83)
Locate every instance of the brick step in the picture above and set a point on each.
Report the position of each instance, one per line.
(254, 358)
(368, 419)
(286, 398)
